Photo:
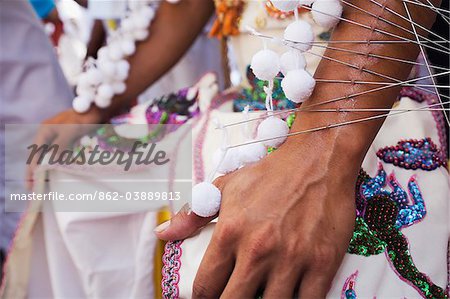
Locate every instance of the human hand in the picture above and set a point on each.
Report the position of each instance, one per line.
(284, 225)
(62, 129)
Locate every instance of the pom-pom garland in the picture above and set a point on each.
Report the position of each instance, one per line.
(252, 152)
(300, 32)
(206, 199)
(298, 85)
(271, 129)
(265, 64)
(106, 76)
(327, 13)
(227, 161)
(292, 60)
(285, 5)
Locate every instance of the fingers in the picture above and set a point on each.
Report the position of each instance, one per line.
(182, 225)
(214, 271)
(245, 281)
(314, 285)
(283, 282)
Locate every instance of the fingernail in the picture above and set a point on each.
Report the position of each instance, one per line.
(162, 227)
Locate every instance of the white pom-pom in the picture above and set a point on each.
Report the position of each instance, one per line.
(122, 70)
(127, 24)
(301, 33)
(140, 21)
(228, 162)
(136, 5)
(252, 152)
(298, 85)
(327, 13)
(119, 87)
(292, 60)
(81, 104)
(94, 76)
(128, 47)
(107, 67)
(206, 199)
(140, 34)
(102, 53)
(83, 80)
(86, 91)
(148, 13)
(105, 93)
(102, 102)
(271, 128)
(305, 2)
(265, 65)
(115, 51)
(285, 5)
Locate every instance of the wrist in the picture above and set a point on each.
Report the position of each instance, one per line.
(337, 149)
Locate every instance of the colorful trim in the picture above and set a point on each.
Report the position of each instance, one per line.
(170, 271)
(430, 99)
(414, 154)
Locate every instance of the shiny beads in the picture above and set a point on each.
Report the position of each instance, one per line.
(414, 154)
(380, 216)
(364, 241)
(350, 294)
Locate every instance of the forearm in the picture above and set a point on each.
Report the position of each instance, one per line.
(172, 32)
(352, 141)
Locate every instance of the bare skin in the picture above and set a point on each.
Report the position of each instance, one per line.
(167, 44)
(285, 222)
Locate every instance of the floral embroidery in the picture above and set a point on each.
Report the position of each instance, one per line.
(170, 271)
(414, 154)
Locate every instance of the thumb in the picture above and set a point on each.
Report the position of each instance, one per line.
(183, 225)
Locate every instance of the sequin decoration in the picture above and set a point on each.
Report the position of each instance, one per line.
(414, 154)
(255, 96)
(173, 109)
(364, 241)
(381, 214)
(348, 290)
(170, 272)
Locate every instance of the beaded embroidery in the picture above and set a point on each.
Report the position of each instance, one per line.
(348, 290)
(380, 217)
(414, 154)
(170, 272)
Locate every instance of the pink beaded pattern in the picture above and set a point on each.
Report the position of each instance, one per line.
(430, 99)
(170, 275)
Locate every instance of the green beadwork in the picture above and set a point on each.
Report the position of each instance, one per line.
(375, 232)
(364, 241)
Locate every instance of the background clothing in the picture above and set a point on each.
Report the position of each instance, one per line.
(43, 7)
(32, 85)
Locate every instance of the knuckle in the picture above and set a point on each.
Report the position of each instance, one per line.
(323, 256)
(261, 244)
(225, 232)
(291, 250)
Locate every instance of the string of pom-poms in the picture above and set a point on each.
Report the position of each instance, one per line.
(298, 85)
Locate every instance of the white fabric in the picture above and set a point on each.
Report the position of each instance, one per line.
(427, 239)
